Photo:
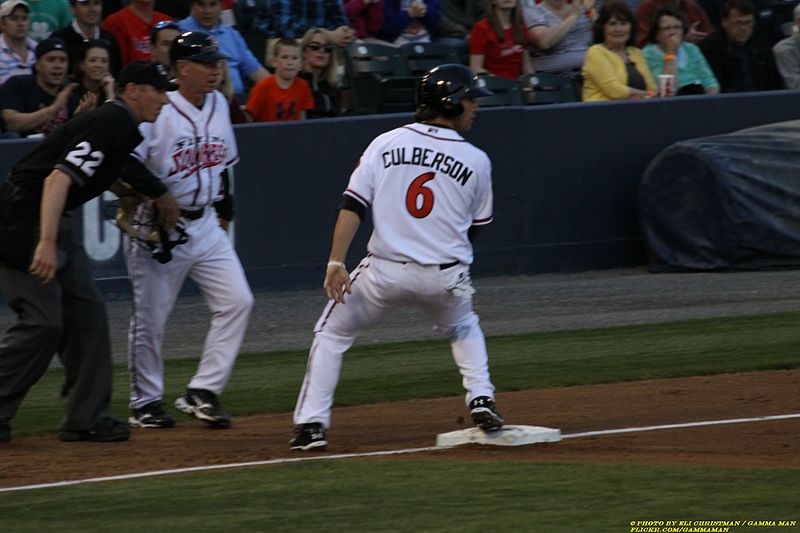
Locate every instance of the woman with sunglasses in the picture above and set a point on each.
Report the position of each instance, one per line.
(669, 53)
(320, 70)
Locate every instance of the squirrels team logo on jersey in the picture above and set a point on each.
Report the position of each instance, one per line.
(196, 153)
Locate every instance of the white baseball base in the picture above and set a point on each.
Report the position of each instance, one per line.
(507, 436)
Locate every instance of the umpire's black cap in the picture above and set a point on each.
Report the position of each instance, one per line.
(145, 73)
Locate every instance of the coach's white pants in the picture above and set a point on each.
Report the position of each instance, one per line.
(378, 286)
(208, 258)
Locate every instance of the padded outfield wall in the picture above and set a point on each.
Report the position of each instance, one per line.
(565, 184)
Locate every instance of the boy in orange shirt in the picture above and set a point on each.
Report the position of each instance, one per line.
(283, 96)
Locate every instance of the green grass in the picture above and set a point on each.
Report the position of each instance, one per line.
(410, 496)
(269, 382)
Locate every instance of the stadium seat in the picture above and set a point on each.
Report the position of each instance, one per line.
(506, 92)
(421, 57)
(367, 65)
(397, 95)
(547, 88)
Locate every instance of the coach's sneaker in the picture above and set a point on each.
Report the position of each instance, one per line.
(151, 415)
(203, 405)
(484, 414)
(309, 437)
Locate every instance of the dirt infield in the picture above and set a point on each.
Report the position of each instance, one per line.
(412, 424)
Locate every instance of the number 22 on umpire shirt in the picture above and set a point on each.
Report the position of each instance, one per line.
(426, 186)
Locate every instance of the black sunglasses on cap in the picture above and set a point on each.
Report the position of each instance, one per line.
(319, 46)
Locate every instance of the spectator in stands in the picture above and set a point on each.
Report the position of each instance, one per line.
(614, 68)
(241, 61)
(293, 18)
(38, 103)
(497, 43)
(93, 74)
(457, 19)
(16, 48)
(161, 37)
(699, 24)
(741, 60)
(283, 96)
(667, 53)
(320, 71)
(225, 86)
(410, 22)
(787, 55)
(85, 28)
(48, 16)
(131, 26)
(559, 33)
(365, 17)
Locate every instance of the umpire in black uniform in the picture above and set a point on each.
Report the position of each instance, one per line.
(44, 272)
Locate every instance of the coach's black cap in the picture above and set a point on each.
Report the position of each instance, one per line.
(146, 73)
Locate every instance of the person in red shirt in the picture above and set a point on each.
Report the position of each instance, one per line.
(283, 96)
(131, 27)
(498, 44)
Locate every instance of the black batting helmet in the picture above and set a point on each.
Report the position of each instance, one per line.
(195, 46)
(442, 88)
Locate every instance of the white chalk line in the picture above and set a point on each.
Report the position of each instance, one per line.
(287, 460)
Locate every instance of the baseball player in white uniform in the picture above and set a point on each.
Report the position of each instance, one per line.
(188, 148)
(429, 190)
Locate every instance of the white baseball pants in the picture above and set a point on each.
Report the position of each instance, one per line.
(208, 258)
(379, 285)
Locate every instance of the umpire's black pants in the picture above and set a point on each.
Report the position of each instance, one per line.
(66, 316)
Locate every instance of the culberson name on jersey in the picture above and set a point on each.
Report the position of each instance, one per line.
(426, 157)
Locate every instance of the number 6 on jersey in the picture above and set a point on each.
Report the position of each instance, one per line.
(416, 191)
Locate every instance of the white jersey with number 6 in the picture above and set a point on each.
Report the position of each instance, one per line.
(426, 186)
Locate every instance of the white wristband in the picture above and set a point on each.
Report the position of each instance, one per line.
(337, 264)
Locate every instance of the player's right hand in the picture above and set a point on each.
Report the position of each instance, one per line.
(337, 283)
(45, 262)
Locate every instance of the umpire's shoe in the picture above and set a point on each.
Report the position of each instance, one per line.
(107, 429)
(484, 414)
(5, 431)
(203, 405)
(309, 437)
(151, 415)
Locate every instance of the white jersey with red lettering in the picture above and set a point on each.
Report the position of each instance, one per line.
(426, 186)
(188, 148)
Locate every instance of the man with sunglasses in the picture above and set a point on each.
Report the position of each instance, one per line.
(205, 18)
(161, 37)
(86, 27)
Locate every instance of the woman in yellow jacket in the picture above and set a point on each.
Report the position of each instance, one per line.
(614, 69)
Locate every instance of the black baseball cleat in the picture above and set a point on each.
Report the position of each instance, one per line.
(309, 437)
(151, 415)
(203, 405)
(107, 429)
(484, 414)
(5, 431)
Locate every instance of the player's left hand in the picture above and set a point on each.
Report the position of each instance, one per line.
(45, 262)
(337, 283)
(168, 211)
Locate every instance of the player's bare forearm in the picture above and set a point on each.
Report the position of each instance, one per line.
(54, 197)
(337, 279)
